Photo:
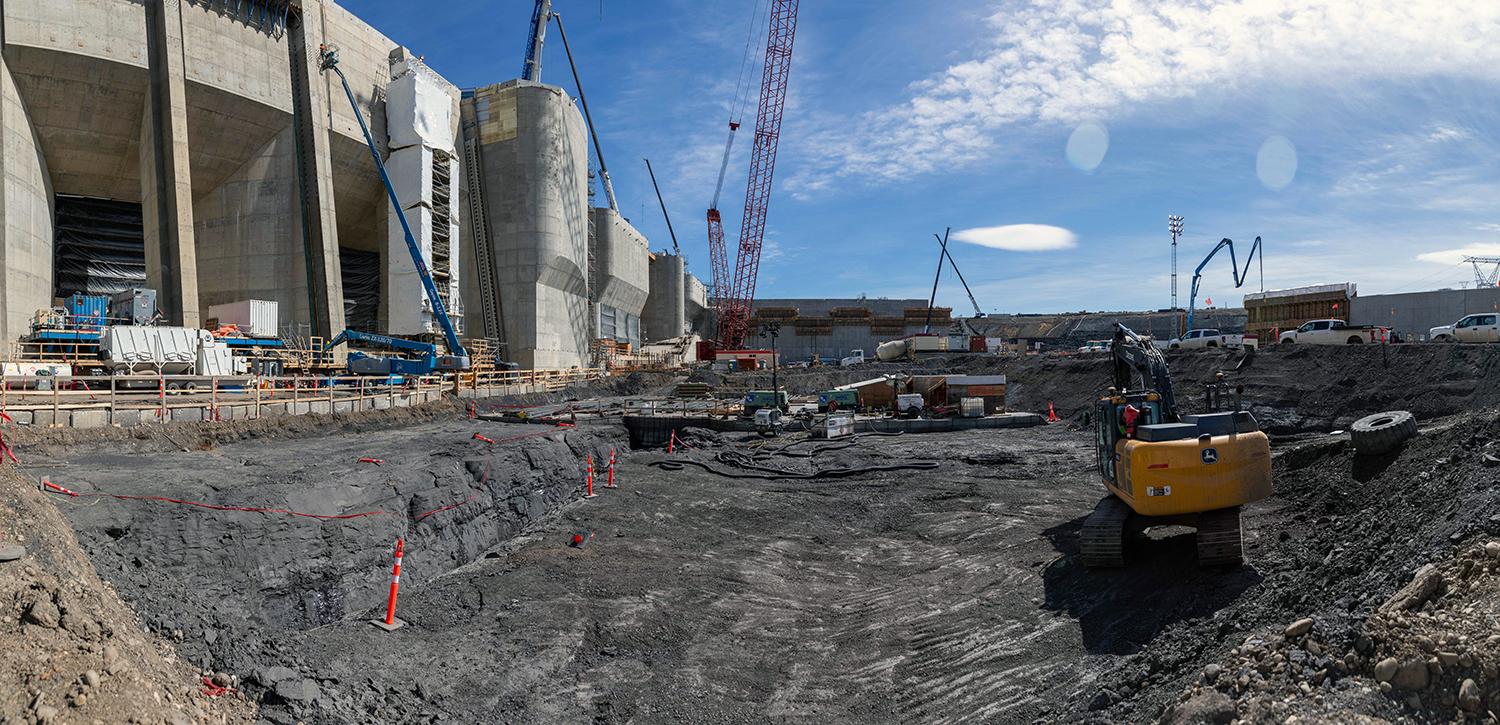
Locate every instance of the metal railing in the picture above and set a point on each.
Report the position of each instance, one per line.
(255, 395)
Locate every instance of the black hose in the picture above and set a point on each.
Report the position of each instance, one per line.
(678, 465)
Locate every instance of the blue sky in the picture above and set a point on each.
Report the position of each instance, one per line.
(1359, 138)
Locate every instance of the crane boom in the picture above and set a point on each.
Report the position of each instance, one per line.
(1234, 267)
(609, 187)
(330, 61)
(675, 249)
(734, 317)
(718, 255)
(531, 68)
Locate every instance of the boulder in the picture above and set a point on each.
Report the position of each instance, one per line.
(1411, 675)
(1469, 695)
(1206, 708)
(1298, 628)
(1386, 669)
(1422, 586)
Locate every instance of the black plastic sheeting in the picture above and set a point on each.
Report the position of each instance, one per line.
(361, 275)
(99, 246)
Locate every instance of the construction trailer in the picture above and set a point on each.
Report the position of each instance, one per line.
(937, 391)
(1286, 309)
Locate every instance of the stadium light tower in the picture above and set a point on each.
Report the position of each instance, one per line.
(1174, 224)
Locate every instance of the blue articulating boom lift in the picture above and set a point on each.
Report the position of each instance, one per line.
(429, 360)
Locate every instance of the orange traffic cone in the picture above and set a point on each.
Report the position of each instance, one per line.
(1052, 413)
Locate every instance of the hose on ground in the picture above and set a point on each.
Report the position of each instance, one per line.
(772, 474)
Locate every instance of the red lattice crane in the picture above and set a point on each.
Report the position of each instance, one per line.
(733, 295)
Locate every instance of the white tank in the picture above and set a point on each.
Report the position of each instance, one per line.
(893, 350)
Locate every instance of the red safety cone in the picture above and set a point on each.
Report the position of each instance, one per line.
(580, 538)
(590, 479)
(610, 482)
(1052, 413)
(672, 443)
(479, 437)
(376, 461)
(391, 623)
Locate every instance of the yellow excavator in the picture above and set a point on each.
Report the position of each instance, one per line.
(1164, 470)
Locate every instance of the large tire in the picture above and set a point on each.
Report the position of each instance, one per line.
(1289, 341)
(1380, 433)
(1356, 340)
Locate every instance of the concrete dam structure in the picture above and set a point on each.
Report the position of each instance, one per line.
(195, 147)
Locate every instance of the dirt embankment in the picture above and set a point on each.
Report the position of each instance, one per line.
(1340, 538)
(238, 586)
(72, 651)
(1290, 388)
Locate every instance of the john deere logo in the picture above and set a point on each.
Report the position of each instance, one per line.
(1210, 455)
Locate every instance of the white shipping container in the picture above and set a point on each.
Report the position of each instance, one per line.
(256, 318)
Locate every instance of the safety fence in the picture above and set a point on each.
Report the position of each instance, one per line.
(87, 402)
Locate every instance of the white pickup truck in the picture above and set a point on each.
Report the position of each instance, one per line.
(1334, 332)
(1472, 328)
(1209, 338)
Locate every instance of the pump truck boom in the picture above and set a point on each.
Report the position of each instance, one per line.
(1161, 469)
(457, 357)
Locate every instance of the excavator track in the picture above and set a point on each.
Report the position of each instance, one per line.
(1102, 539)
(1219, 540)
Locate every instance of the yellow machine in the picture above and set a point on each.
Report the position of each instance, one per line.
(1161, 469)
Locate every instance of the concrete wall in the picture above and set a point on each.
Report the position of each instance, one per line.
(695, 307)
(622, 263)
(249, 234)
(25, 216)
(188, 109)
(1414, 313)
(665, 315)
(536, 191)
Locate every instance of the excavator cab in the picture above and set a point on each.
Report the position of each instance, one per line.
(1112, 422)
(1160, 469)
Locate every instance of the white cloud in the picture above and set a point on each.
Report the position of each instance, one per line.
(1456, 256)
(1065, 61)
(1019, 237)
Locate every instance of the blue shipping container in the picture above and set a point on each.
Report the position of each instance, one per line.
(88, 311)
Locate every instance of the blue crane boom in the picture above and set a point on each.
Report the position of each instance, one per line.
(531, 69)
(460, 356)
(1239, 275)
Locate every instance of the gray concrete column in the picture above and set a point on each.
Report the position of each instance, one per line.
(320, 234)
(166, 183)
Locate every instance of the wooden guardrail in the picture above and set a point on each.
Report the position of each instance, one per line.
(55, 399)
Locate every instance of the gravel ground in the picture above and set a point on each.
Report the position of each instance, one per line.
(949, 594)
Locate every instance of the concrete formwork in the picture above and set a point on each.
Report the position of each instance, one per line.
(535, 179)
(621, 264)
(1414, 313)
(665, 315)
(695, 307)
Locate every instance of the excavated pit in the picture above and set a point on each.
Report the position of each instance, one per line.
(235, 589)
(943, 594)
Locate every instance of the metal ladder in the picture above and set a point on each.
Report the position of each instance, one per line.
(484, 265)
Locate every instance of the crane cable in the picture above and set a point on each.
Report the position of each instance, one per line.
(752, 51)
